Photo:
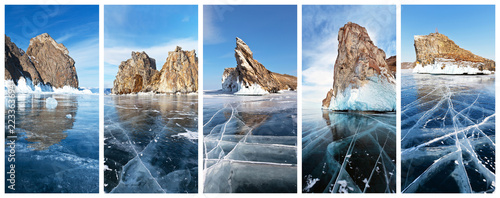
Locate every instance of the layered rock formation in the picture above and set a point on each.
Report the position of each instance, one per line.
(179, 74)
(134, 74)
(391, 63)
(52, 61)
(46, 63)
(250, 77)
(437, 54)
(362, 81)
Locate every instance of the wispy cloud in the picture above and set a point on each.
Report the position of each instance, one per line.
(212, 15)
(320, 31)
(65, 37)
(86, 56)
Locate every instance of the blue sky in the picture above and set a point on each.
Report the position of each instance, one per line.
(320, 27)
(155, 29)
(77, 27)
(269, 31)
(472, 27)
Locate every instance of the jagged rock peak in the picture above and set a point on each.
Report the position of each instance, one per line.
(362, 79)
(143, 58)
(134, 74)
(436, 53)
(45, 38)
(243, 47)
(178, 74)
(178, 49)
(139, 74)
(18, 64)
(52, 61)
(45, 62)
(251, 77)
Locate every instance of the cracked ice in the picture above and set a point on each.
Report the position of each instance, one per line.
(56, 153)
(151, 144)
(448, 133)
(250, 143)
(348, 152)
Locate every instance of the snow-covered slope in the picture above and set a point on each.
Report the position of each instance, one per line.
(450, 66)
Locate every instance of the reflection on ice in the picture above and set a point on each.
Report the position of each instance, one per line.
(250, 143)
(56, 152)
(151, 143)
(348, 152)
(448, 133)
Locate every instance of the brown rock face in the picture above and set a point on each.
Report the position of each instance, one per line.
(134, 74)
(179, 73)
(391, 63)
(229, 79)
(46, 62)
(52, 61)
(18, 64)
(249, 72)
(358, 63)
(434, 46)
(139, 74)
(407, 65)
(327, 100)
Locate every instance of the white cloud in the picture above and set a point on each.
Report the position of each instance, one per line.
(64, 37)
(86, 56)
(320, 31)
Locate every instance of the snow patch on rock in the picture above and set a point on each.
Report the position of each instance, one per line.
(25, 85)
(376, 94)
(230, 84)
(449, 67)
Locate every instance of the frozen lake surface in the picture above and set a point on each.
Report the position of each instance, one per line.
(250, 143)
(347, 152)
(151, 143)
(447, 133)
(57, 149)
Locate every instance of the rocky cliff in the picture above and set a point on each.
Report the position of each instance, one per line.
(391, 63)
(438, 54)
(52, 61)
(179, 74)
(251, 77)
(134, 74)
(18, 64)
(46, 63)
(362, 81)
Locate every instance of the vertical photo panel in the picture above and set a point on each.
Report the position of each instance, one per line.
(151, 100)
(448, 99)
(349, 99)
(52, 99)
(250, 106)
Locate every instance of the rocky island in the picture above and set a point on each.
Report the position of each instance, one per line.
(437, 54)
(363, 79)
(179, 74)
(45, 65)
(250, 77)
